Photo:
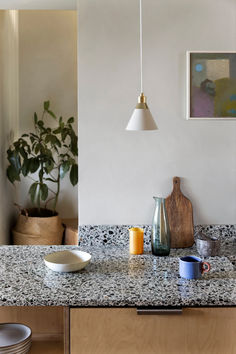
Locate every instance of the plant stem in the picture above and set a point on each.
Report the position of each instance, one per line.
(52, 177)
(58, 190)
(40, 185)
(46, 204)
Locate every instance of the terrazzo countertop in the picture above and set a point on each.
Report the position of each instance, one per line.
(114, 278)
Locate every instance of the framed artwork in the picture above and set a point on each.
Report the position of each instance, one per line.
(211, 85)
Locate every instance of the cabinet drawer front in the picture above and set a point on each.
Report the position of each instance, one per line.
(122, 331)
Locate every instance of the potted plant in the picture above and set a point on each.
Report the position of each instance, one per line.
(44, 156)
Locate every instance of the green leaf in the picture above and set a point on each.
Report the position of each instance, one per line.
(23, 141)
(28, 149)
(35, 136)
(44, 191)
(12, 174)
(35, 118)
(74, 144)
(57, 131)
(64, 134)
(33, 191)
(25, 135)
(34, 165)
(57, 142)
(72, 161)
(51, 114)
(63, 156)
(14, 160)
(71, 120)
(33, 145)
(16, 144)
(25, 167)
(51, 180)
(53, 140)
(64, 168)
(49, 166)
(47, 138)
(41, 174)
(9, 153)
(46, 105)
(40, 124)
(23, 153)
(48, 153)
(37, 148)
(74, 174)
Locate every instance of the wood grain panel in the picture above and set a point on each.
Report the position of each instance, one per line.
(180, 216)
(122, 331)
(47, 347)
(46, 322)
(71, 236)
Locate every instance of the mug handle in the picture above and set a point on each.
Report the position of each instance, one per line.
(205, 270)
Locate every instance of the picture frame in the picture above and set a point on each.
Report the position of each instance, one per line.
(211, 85)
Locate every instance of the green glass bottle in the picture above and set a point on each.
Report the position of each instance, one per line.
(160, 229)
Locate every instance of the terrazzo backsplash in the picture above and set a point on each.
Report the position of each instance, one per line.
(97, 235)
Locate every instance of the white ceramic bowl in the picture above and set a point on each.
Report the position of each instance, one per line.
(14, 338)
(67, 261)
(23, 349)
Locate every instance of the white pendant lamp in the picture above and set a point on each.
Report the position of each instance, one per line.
(141, 118)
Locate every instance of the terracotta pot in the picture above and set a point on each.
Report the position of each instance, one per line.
(33, 230)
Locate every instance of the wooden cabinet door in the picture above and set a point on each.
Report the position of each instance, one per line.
(47, 324)
(122, 331)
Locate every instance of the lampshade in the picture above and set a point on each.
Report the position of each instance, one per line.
(141, 118)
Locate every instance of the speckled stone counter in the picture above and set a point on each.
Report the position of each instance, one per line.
(101, 235)
(114, 278)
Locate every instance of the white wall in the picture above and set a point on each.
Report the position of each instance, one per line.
(120, 171)
(48, 70)
(38, 4)
(8, 113)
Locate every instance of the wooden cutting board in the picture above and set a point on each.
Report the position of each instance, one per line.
(180, 217)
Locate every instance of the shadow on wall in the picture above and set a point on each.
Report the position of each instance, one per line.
(8, 114)
(48, 71)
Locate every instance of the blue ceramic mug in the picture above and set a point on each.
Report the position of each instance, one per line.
(191, 267)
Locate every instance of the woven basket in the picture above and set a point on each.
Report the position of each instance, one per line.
(38, 231)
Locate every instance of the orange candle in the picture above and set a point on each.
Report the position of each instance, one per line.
(136, 240)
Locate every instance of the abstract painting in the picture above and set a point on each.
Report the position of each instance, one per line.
(211, 85)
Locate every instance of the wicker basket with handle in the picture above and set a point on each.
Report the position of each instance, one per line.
(38, 230)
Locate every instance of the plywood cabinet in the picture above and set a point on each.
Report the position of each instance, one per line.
(122, 331)
(47, 324)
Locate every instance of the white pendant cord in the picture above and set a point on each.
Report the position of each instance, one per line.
(141, 118)
(141, 44)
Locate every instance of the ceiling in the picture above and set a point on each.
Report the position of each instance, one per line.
(38, 4)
